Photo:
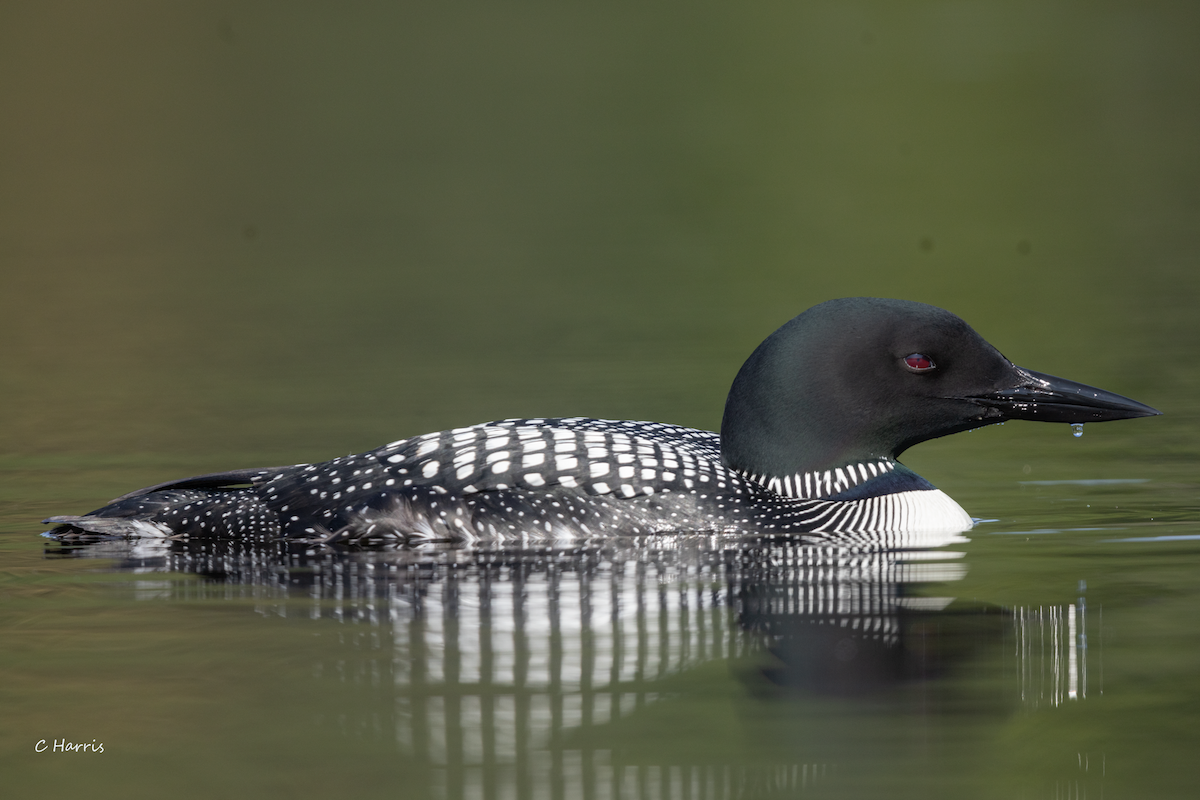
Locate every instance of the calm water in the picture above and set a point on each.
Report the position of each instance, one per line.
(233, 238)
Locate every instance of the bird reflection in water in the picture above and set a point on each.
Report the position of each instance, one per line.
(509, 669)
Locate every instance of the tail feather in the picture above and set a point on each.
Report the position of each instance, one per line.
(213, 480)
(117, 527)
(223, 512)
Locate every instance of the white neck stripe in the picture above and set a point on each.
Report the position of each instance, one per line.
(809, 485)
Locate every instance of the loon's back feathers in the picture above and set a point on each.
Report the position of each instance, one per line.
(551, 478)
(811, 431)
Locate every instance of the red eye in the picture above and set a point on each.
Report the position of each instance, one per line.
(918, 363)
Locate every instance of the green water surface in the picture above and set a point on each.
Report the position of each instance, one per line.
(238, 235)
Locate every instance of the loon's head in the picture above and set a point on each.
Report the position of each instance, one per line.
(862, 379)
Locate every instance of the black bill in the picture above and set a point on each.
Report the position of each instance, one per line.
(1049, 399)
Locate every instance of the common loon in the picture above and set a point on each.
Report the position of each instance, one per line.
(813, 425)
